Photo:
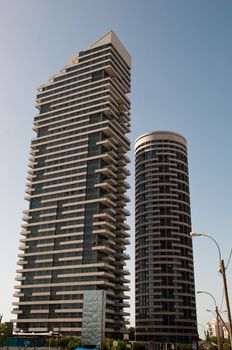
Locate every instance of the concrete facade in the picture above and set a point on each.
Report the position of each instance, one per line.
(74, 236)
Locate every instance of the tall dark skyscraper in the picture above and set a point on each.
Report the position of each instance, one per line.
(165, 291)
(72, 276)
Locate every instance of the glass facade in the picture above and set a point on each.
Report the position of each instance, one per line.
(165, 292)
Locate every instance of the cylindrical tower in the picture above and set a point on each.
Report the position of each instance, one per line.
(165, 291)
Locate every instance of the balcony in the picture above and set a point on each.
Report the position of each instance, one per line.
(24, 232)
(106, 186)
(30, 172)
(104, 224)
(125, 172)
(31, 164)
(104, 232)
(25, 218)
(124, 211)
(30, 176)
(122, 233)
(127, 184)
(21, 262)
(124, 226)
(18, 295)
(108, 171)
(105, 216)
(108, 157)
(29, 184)
(122, 240)
(122, 161)
(20, 278)
(124, 256)
(109, 258)
(121, 279)
(16, 311)
(107, 143)
(35, 127)
(23, 247)
(126, 272)
(107, 202)
(122, 288)
(104, 249)
(28, 191)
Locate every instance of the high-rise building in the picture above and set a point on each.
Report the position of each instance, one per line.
(72, 276)
(165, 292)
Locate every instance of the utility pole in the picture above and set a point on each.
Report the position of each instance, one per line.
(218, 329)
(223, 273)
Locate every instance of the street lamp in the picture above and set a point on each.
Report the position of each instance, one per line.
(222, 270)
(217, 316)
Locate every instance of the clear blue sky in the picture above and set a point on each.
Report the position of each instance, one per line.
(182, 77)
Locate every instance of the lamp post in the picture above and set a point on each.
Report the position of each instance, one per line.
(221, 319)
(222, 270)
(217, 317)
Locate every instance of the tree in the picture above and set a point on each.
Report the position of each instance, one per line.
(65, 343)
(73, 343)
(112, 344)
(51, 342)
(121, 345)
(108, 344)
(3, 333)
(131, 333)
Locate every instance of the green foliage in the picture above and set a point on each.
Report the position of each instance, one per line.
(3, 333)
(121, 345)
(112, 344)
(63, 342)
(51, 342)
(107, 344)
(73, 343)
(213, 340)
(66, 343)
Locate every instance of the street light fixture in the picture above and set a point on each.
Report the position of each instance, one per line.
(217, 316)
(222, 270)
